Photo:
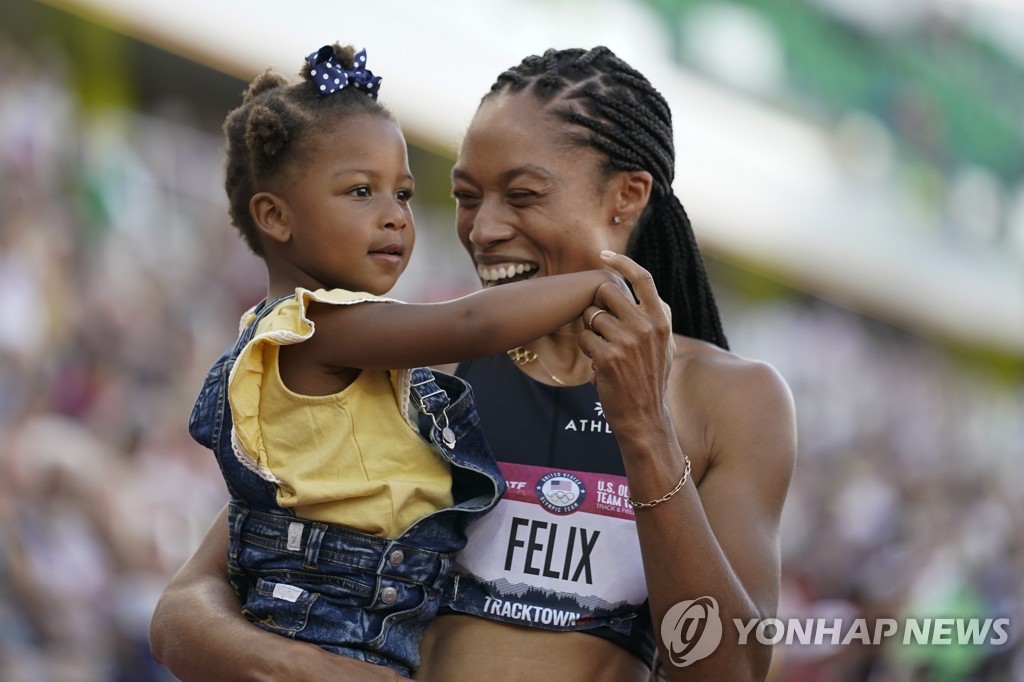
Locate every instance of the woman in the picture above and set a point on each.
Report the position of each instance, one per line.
(569, 155)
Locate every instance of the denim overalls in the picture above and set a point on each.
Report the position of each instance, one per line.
(354, 594)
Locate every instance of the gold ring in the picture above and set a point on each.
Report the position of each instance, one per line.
(590, 322)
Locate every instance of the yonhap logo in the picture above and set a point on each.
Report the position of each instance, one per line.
(691, 630)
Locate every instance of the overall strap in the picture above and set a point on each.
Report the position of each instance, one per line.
(433, 401)
(262, 309)
(244, 483)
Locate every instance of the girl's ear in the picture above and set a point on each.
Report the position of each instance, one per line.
(270, 214)
(632, 192)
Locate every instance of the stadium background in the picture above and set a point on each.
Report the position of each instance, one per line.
(854, 170)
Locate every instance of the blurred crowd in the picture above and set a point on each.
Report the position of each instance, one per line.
(116, 283)
(121, 281)
(905, 502)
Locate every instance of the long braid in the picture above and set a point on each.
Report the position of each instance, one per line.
(630, 122)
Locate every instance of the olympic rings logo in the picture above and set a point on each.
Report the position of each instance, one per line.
(563, 496)
(560, 492)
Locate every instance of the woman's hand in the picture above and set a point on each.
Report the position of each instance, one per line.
(719, 535)
(631, 346)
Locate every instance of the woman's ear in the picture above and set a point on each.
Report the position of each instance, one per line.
(633, 191)
(270, 215)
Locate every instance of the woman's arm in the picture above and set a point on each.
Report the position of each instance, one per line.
(198, 631)
(734, 420)
(375, 336)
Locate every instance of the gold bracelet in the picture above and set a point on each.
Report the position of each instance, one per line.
(667, 496)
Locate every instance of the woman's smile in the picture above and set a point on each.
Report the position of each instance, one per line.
(492, 274)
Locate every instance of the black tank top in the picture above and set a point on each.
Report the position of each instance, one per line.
(566, 481)
(528, 422)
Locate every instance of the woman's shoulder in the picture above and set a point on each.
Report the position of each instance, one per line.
(721, 376)
(742, 408)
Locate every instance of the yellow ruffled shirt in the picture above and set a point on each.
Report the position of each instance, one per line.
(353, 458)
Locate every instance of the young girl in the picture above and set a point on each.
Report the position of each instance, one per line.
(352, 482)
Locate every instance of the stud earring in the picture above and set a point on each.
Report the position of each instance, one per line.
(617, 219)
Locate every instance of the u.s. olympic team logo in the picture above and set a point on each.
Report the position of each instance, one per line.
(560, 492)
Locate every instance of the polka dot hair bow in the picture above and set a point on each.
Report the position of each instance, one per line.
(330, 76)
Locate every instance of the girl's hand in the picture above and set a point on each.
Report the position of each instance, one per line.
(631, 346)
(616, 279)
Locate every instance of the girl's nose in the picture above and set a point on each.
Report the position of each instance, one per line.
(397, 216)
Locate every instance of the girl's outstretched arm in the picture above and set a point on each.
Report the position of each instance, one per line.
(389, 336)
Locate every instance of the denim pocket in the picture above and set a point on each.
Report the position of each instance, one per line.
(279, 607)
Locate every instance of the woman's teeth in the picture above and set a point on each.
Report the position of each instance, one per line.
(495, 273)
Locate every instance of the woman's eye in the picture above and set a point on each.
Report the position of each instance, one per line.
(521, 195)
(464, 199)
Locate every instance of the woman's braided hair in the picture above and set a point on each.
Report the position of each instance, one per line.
(619, 113)
(274, 127)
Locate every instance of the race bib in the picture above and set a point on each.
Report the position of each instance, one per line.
(559, 551)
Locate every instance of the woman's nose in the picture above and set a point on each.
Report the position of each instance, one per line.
(489, 226)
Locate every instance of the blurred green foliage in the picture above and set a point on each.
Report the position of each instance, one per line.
(949, 95)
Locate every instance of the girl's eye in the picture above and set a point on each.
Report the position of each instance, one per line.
(360, 192)
(405, 195)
